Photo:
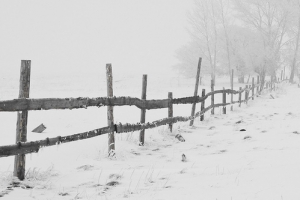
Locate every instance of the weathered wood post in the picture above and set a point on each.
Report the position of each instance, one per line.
(231, 108)
(202, 105)
(170, 109)
(196, 90)
(143, 111)
(212, 97)
(224, 101)
(110, 111)
(246, 94)
(21, 130)
(271, 87)
(240, 97)
(252, 88)
(257, 91)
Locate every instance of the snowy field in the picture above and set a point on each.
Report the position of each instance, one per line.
(222, 162)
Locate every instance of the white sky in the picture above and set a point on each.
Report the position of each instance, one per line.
(85, 35)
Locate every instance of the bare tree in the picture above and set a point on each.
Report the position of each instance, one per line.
(297, 41)
(269, 18)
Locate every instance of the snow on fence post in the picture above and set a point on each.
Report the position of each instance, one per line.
(202, 105)
(212, 97)
(143, 111)
(21, 131)
(196, 90)
(110, 111)
(252, 88)
(231, 108)
(224, 101)
(240, 97)
(170, 109)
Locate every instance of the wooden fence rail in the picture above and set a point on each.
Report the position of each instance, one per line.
(33, 147)
(85, 102)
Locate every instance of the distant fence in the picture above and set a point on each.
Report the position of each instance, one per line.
(26, 104)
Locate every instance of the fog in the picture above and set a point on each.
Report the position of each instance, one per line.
(75, 37)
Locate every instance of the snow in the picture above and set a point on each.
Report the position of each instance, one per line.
(222, 162)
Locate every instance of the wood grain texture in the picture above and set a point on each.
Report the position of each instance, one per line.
(143, 111)
(196, 90)
(22, 118)
(110, 111)
(170, 109)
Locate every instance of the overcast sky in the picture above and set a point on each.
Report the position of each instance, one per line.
(85, 35)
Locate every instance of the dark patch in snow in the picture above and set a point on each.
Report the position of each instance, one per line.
(247, 137)
(135, 153)
(243, 129)
(112, 183)
(115, 176)
(180, 138)
(183, 158)
(63, 194)
(85, 167)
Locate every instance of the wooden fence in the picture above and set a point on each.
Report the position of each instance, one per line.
(24, 104)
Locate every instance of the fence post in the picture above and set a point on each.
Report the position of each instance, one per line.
(212, 97)
(202, 105)
(231, 108)
(110, 111)
(224, 101)
(240, 97)
(246, 95)
(257, 92)
(281, 76)
(21, 131)
(196, 90)
(170, 109)
(252, 88)
(143, 111)
(271, 88)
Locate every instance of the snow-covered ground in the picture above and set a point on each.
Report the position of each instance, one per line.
(222, 161)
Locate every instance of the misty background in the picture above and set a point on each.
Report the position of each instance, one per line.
(72, 40)
(68, 38)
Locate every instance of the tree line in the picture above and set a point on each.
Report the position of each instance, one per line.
(250, 36)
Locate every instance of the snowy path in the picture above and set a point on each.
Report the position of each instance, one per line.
(222, 161)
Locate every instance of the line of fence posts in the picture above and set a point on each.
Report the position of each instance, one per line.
(21, 132)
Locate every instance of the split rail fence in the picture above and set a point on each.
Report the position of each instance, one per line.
(24, 104)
